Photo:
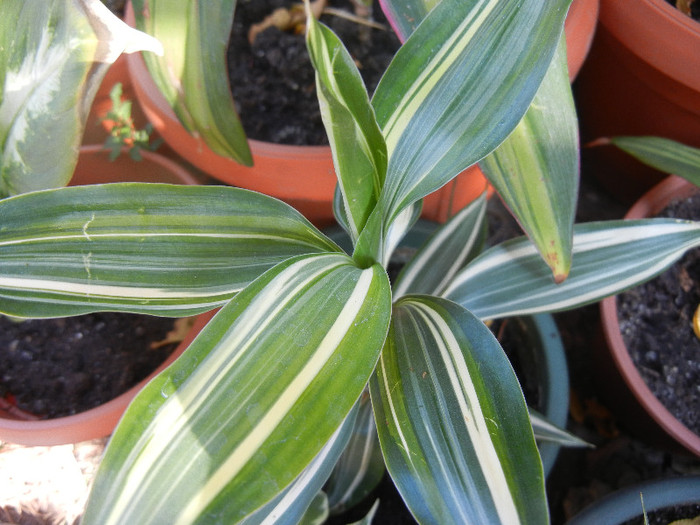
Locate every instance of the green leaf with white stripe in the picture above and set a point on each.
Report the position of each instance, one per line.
(303, 501)
(158, 249)
(545, 431)
(448, 250)
(251, 402)
(55, 54)
(360, 468)
(608, 257)
(663, 154)
(536, 170)
(452, 419)
(359, 152)
(457, 88)
(191, 74)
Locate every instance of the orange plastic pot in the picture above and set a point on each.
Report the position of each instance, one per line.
(635, 402)
(579, 28)
(94, 167)
(642, 77)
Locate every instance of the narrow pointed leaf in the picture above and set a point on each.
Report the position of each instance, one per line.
(55, 54)
(535, 171)
(303, 501)
(159, 249)
(434, 266)
(452, 420)
(663, 154)
(457, 88)
(608, 257)
(191, 74)
(359, 152)
(360, 468)
(545, 431)
(252, 401)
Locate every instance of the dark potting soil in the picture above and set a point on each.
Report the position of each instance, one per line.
(694, 8)
(656, 325)
(59, 367)
(273, 82)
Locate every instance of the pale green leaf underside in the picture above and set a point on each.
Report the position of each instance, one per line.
(608, 257)
(252, 401)
(159, 249)
(192, 72)
(457, 88)
(663, 154)
(452, 420)
(545, 431)
(536, 170)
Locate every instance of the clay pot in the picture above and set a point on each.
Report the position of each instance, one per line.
(580, 27)
(626, 504)
(303, 176)
(94, 167)
(642, 77)
(633, 400)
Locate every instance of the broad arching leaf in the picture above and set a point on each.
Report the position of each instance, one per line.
(452, 420)
(252, 401)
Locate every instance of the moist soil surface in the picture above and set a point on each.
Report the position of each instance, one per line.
(273, 82)
(656, 321)
(59, 367)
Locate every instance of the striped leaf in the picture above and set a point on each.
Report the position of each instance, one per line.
(546, 431)
(191, 74)
(361, 466)
(452, 420)
(405, 15)
(608, 257)
(663, 154)
(536, 170)
(457, 88)
(303, 501)
(434, 266)
(159, 249)
(55, 54)
(252, 401)
(359, 152)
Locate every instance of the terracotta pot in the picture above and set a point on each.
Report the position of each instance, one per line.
(642, 77)
(94, 167)
(580, 27)
(303, 176)
(641, 410)
(626, 504)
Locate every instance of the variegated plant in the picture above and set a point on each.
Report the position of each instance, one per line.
(53, 57)
(246, 425)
